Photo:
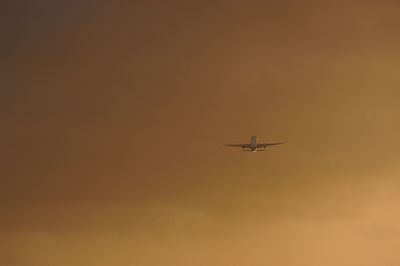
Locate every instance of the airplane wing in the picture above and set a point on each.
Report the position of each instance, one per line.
(239, 145)
(264, 145)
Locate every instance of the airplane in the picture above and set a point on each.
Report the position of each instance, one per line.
(254, 146)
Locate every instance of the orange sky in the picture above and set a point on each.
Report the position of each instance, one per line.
(113, 115)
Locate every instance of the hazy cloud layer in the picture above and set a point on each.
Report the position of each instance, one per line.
(113, 115)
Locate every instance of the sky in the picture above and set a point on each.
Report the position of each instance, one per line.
(113, 115)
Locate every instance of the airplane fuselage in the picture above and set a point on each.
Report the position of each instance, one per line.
(253, 144)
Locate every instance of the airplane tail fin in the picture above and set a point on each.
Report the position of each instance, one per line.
(253, 140)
